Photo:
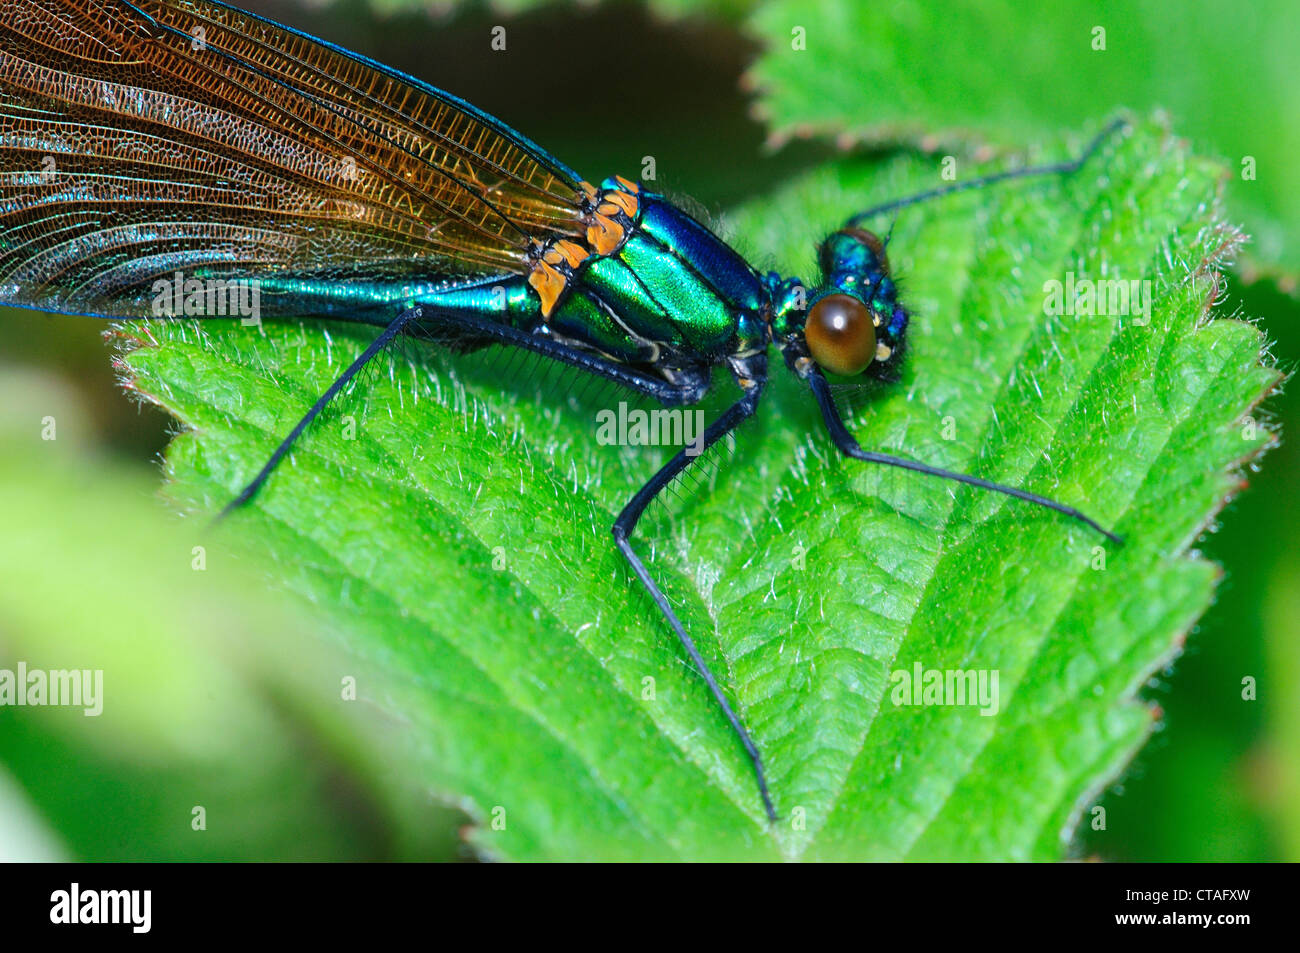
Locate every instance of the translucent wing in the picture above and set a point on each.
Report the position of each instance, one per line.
(141, 139)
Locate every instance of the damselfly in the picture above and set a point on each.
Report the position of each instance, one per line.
(144, 138)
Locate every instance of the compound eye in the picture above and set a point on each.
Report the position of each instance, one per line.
(840, 335)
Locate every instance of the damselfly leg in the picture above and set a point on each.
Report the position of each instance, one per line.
(847, 445)
(1067, 167)
(694, 383)
(821, 389)
(626, 523)
(692, 386)
(376, 346)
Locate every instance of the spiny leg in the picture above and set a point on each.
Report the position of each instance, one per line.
(1055, 168)
(626, 523)
(377, 345)
(694, 385)
(850, 447)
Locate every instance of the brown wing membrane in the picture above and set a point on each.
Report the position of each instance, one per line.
(142, 138)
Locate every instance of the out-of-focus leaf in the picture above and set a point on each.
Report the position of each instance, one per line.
(953, 74)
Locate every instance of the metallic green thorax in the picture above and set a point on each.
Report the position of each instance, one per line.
(672, 295)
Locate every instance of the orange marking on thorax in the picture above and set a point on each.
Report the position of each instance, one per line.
(549, 285)
(572, 252)
(627, 203)
(604, 234)
(553, 268)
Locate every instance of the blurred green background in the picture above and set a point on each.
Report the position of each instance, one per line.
(601, 86)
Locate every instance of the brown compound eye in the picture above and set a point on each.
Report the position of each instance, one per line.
(840, 335)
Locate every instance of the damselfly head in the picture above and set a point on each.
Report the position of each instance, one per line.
(852, 324)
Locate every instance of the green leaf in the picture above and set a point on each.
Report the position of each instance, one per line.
(457, 532)
(948, 76)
